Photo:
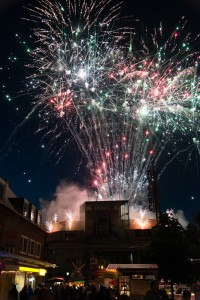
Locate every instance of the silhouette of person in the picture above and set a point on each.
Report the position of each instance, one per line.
(13, 293)
(29, 291)
(186, 295)
(23, 294)
(163, 294)
(103, 294)
(154, 292)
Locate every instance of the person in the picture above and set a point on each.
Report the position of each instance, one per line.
(45, 294)
(92, 295)
(35, 294)
(23, 294)
(186, 295)
(13, 293)
(29, 291)
(163, 294)
(103, 293)
(154, 292)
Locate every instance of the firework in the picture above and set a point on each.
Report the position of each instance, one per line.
(142, 220)
(59, 219)
(49, 226)
(123, 103)
(69, 219)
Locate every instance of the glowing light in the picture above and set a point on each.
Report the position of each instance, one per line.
(49, 226)
(121, 107)
(143, 111)
(55, 219)
(69, 219)
(82, 73)
(41, 272)
(142, 221)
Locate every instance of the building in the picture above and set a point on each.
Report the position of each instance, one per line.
(77, 249)
(133, 280)
(22, 242)
(103, 235)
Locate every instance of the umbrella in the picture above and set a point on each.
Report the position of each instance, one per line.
(55, 279)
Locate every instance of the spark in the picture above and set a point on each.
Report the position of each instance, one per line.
(49, 226)
(55, 218)
(142, 221)
(69, 219)
(122, 107)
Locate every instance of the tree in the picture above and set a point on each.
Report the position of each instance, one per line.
(193, 236)
(169, 248)
(197, 219)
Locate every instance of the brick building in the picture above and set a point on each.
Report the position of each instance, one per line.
(104, 235)
(22, 242)
(78, 250)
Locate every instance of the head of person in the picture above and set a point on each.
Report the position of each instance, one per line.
(24, 289)
(186, 295)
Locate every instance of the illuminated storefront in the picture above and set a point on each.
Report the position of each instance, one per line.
(133, 280)
(21, 271)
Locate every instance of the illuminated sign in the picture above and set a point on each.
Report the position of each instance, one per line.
(41, 272)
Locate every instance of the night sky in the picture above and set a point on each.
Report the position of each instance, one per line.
(31, 160)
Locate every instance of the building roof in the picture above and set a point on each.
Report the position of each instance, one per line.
(131, 266)
(24, 259)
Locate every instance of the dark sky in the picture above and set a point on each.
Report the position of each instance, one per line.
(34, 171)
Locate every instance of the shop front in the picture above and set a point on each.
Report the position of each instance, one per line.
(133, 280)
(21, 271)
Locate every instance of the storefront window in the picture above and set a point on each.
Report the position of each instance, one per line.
(124, 285)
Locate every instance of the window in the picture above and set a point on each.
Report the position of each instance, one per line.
(38, 218)
(25, 208)
(24, 244)
(33, 210)
(137, 276)
(31, 247)
(124, 285)
(124, 212)
(37, 250)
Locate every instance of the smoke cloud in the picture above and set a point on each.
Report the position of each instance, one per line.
(68, 197)
(179, 215)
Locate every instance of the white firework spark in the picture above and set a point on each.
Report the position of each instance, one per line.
(121, 105)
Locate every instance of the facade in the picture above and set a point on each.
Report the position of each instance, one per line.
(133, 280)
(104, 235)
(22, 242)
(79, 249)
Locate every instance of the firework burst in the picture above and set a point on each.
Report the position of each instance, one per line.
(122, 102)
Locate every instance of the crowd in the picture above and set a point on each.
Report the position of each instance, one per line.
(61, 292)
(66, 292)
(155, 293)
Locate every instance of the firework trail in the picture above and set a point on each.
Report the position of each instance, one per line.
(122, 102)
